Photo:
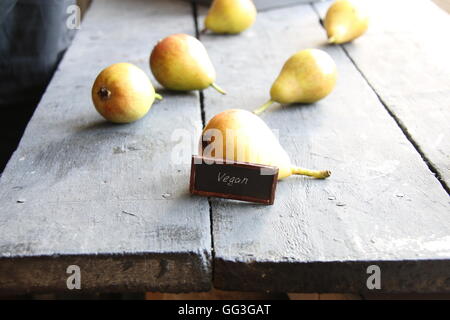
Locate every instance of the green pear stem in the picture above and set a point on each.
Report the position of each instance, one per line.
(311, 173)
(158, 96)
(215, 86)
(263, 107)
(332, 39)
(203, 31)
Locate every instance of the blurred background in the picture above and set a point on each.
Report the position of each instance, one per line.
(33, 39)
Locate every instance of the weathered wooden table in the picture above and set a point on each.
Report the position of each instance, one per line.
(80, 191)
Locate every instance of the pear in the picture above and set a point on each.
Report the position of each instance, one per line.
(345, 20)
(306, 77)
(239, 135)
(123, 93)
(230, 16)
(180, 62)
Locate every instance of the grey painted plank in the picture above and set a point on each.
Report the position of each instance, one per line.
(381, 205)
(106, 197)
(405, 57)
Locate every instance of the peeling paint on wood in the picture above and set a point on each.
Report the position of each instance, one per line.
(321, 235)
(405, 59)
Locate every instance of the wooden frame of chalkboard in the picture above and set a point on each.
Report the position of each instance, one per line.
(233, 180)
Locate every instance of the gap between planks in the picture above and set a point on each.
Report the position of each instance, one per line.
(203, 116)
(397, 120)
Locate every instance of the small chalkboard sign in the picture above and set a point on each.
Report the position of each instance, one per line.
(237, 180)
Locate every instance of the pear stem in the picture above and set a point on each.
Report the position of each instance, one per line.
(215, 86)
(263, 107)
(332, 40)
(158, 96)
(311, 173)
(203, 31)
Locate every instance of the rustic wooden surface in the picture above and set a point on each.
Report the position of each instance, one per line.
(405, 58)
(382, 205)
(105, 197)
(108, 198)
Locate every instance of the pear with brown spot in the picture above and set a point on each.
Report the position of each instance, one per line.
(123, 93)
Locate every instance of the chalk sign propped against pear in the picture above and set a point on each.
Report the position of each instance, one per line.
(245, 137)
(245, 159)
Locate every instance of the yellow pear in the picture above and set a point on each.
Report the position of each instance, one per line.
(123, 93)
(180, 62)
(345, 20)
(230, 16)
(306, 77)
(239, 135)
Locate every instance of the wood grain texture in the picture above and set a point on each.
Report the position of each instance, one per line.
(405, 57)
(107, 197)
(323, 296)
(381, 205)
(215, 294)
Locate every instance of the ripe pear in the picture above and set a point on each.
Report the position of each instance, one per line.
(345, 20)
(230, 16)
(180, 62)
(239, 135)
(306, 77)
(123, 93)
